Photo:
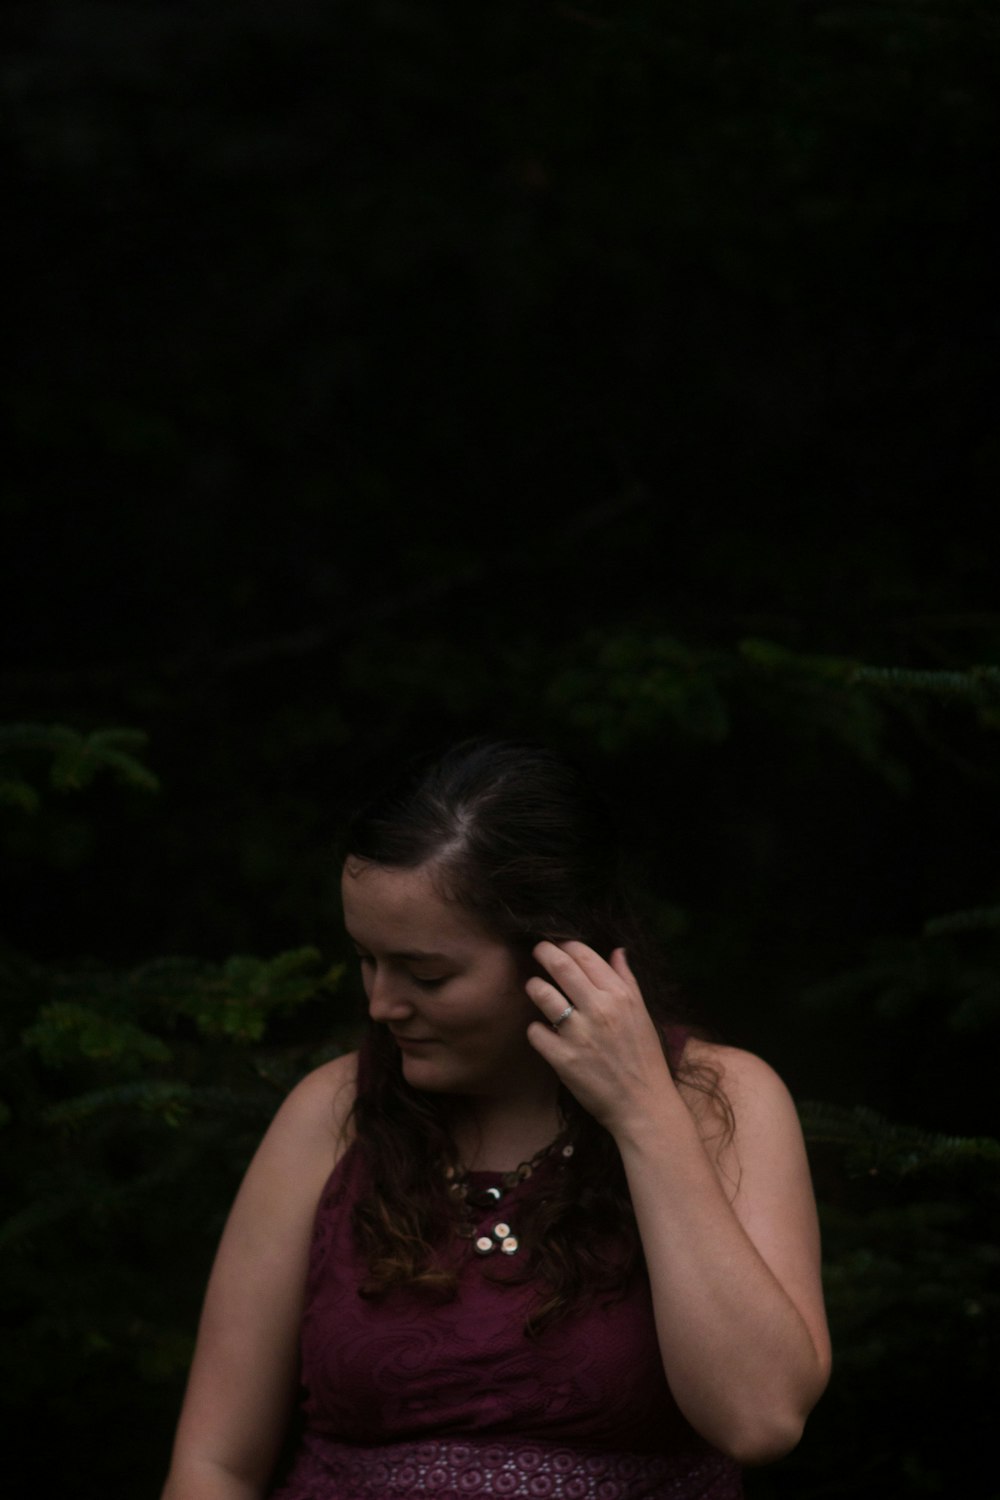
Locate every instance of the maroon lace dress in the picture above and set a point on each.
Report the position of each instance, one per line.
(405, 1398)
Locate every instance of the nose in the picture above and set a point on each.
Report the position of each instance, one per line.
(387, 1000)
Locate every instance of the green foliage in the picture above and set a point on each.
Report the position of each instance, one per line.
(912, 1280)
(131, 1110)
(627, 687)
(818, 695)
(980, 919)
(132, 1099)
(769, 656)
(916, 977)
(16, 792)
(74, 759)
(873, 1145)
(65, 1033)
(979, 686)
(631, 686)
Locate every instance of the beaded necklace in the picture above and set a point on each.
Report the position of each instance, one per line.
(472, 1202)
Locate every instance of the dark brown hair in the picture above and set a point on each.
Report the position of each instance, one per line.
(518, 836)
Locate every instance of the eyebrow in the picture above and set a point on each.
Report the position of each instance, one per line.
(412, 954)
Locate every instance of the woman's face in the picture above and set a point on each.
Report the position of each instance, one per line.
(451, 994)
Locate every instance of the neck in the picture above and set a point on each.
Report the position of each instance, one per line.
(494, 1135)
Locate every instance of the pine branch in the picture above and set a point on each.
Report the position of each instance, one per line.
(979, 685)
(880, 1148)
(76, 758)
(172, 1102)
(66, 1031)
(979, 919)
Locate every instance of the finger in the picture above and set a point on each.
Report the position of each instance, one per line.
(553, 1004)
(619, 962)
(565, 967)
(591, 962)
(599, 974)
(546, 1043)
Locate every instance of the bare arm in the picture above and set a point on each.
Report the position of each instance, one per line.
(732, 1247)
(244, 1375)
(729, 1231)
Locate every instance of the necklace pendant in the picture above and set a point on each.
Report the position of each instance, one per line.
(468, 1197)
(483, 1197)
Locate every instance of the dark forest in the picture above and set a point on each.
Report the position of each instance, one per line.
(619, 375)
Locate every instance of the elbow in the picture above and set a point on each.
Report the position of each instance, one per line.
(765, 1436)
(763, 1443)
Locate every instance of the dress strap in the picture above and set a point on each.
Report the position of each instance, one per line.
(675, 1040)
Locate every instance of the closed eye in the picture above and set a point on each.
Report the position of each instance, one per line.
(366, 961)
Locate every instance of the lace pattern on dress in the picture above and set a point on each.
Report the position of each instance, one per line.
(487, 1469)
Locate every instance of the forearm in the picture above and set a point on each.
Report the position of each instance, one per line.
(194, 1479)
(740, 1360)
(736, 1289)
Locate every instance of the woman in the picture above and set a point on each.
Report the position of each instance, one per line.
(534, 1239)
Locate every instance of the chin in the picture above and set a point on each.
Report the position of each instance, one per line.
(425, 1073)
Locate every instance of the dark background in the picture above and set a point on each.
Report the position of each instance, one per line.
(621, 375)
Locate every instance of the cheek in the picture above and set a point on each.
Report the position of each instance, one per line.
(495, 1004)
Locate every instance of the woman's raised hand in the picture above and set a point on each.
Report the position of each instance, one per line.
(596, 1031)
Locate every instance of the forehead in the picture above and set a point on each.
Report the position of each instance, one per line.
(402, 911)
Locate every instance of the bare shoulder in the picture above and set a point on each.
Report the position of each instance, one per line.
(743, 1073)
(310, 1131)
(741, 1105)
(321, 1102)
(272, 1216)
(747, 1082)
